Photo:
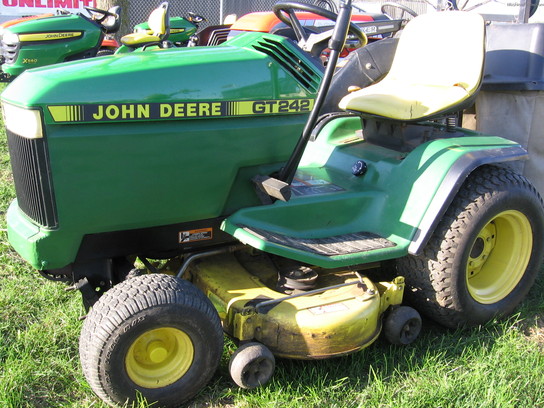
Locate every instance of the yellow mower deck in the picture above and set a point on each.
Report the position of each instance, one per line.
(341, 315)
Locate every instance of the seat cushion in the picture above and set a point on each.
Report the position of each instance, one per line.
(403, 101)
(437, 66)
(137, 39)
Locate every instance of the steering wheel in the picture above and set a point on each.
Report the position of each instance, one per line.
(95, 12)
(195, 18)
(313, 43)
(401, 7)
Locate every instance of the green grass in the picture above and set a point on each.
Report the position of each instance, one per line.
(498, 365)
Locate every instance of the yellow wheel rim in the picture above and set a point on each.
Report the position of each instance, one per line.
(159, 357)
(499, 257)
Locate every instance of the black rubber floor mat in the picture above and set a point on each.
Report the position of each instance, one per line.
(329, 246)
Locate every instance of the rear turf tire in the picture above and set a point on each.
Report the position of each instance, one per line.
(153, 335)
(485, 253)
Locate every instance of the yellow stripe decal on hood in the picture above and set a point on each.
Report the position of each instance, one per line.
(49, 36)
(177, 110)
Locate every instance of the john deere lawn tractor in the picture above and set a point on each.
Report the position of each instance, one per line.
(50, 39)
(181, 29)
(191, 192)
(162, 30)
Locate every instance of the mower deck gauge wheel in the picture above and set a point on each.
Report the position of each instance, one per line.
(402, 325)
(252, 365)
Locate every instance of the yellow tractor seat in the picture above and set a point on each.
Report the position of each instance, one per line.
(139, 39)
(431, 74)
(159, 26)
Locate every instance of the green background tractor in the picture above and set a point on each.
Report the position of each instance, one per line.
(50, 39)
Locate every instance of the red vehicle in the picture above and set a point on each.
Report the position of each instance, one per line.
(18, 20)
(375, 26)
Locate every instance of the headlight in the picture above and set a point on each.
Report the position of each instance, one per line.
(23, 122)
(10, 38)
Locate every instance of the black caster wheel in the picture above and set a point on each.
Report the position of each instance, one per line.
(252, 365)
(402, 325)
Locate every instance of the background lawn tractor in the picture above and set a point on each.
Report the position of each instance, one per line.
(50, 39)
(179, 31)
(189, 156)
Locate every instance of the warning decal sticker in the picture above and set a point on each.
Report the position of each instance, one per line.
(201, 234)
(180, 110)
(331, 308)
(305, 185)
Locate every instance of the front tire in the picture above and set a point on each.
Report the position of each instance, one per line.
(104, 52)
(154, 335)
(485, 253)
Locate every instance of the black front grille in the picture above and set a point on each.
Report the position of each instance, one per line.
(32, 177)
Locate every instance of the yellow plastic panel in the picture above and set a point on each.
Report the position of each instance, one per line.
(437, 66)
(157, 21)
(139, 38)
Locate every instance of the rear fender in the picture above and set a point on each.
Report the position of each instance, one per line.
(452, 182)
(123, 49)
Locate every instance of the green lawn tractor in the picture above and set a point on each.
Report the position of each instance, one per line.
(196, 191)
(181, 29)
(163, 31)
(50, 39)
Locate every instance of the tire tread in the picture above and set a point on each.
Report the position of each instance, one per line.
(125, 300)
(429, 276)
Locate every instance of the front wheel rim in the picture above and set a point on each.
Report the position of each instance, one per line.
(159, 357)
(499, 257)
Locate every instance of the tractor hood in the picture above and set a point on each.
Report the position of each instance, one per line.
(70, 25)
(144, 85)
(181, 131)
(48, 40)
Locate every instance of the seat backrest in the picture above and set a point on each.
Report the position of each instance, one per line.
(426, 53)
(112, 22)
(159, 21)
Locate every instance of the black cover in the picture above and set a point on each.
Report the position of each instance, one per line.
(363, 67)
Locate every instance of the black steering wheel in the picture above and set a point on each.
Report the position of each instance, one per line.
(313, 43)
(403, 9)
(95, 13)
